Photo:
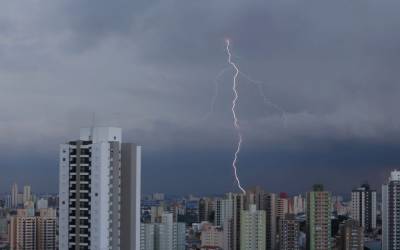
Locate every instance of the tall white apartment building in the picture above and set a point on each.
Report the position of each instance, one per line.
(252, 229)
(99, 192)
(167, 235)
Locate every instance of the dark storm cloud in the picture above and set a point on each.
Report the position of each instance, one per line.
(150, 66)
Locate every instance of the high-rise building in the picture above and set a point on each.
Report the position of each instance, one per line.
(223, 208)
(212, 237)
(318, 219)
(391, 212)
(27, 196)
(282, 206)
(255, 196)
(227, 229)
(252, 229)
(204, 209)
(351, 236)
(238, 202)
(270, 204)
(20, 200)
(298, 204)
(147, 238)
(8, 201)
(14, 195)
(289, 232)
(363, 207)
(192, 211)
(227, 215)
(46, 229)
(23, 231)
(169, 235)
(99, 192)
(30, 232)
(4, 239)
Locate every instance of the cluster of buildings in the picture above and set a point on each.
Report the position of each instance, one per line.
(99, 206)
(258, 220)
(28, 221)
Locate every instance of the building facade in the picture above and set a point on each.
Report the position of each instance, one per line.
(147, 237)
(270, 204)
(212, 237)
(166, 235)
(318, 219)
(99, 185)
(351, 236)
(28, 231)
(289, 232)
(252, 229)
(14, 195)
(391, 212)
(363, 207)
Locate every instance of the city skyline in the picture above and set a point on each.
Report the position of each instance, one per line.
(150, 69)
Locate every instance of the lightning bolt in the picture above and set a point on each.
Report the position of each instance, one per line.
(266, 100)
(235, 119)
(216, 92)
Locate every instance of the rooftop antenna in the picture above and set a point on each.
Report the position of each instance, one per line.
(93, 119)
(93, 125)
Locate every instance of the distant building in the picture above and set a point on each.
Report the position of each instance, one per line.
(42, 203)
(390, 212)
(8, 201)
(205, 206)
(169, 235)
(147, 237)
(351, 236)
(212, 237)
(47, 229)
(252, 229)
(99, 191)
(20, 200)
(255, 196)
(27, 196)
(297, 205)
(158, 196)
(166, 235)
(223, 208)
(269, 206)
(282, 206)
(30, 232)
(363, 207)
(192, 211)
(238, 202)
(14, 195)
(318, 219)
(227, 215)
(289, 230)
(4, 239)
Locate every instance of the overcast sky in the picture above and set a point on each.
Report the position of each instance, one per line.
(150, 67)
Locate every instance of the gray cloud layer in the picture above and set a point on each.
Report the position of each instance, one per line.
(150, 66)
